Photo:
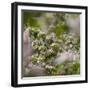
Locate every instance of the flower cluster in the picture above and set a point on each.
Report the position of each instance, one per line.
(47, 47)
(70, 42)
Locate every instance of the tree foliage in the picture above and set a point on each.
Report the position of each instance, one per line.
(50, 37)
